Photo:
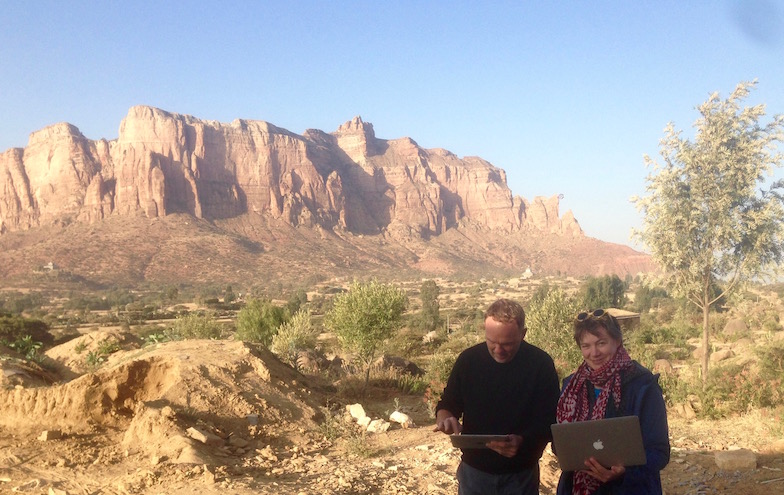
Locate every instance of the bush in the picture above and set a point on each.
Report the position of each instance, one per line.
(550, 327)
(735, 388)
(13, 328)
(259, 320)
(194, 326)
(438, 369)
(293, 336)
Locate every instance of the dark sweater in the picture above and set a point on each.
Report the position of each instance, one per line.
(518, 397)
(640, 396)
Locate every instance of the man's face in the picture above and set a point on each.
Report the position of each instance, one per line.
(503, 339)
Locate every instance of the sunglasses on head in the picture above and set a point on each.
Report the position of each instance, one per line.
(596, 313)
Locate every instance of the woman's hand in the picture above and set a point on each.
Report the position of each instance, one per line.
(508, 447)
(601, 473)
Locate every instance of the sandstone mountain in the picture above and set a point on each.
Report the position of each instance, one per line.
(272, 198)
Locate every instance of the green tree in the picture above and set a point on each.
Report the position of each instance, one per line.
(705, 219)
(646, 296)
(259, 320)
(228, 295)
(365, 316)
(608, 291)
(429, 317)
(296, 301)
(172, 292)
(540, 293)
(550, 323)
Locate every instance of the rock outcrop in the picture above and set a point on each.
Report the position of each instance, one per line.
(348, 180)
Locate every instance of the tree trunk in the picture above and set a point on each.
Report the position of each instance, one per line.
(705, 346)
(367, 378)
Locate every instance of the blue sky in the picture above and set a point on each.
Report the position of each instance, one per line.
(566, 97)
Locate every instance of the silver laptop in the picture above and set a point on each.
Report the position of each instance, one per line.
(611, 441)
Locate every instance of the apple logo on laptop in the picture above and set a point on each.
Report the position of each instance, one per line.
(598, 445)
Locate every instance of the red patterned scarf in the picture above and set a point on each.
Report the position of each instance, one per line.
(574, 403)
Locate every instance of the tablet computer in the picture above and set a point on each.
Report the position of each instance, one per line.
(474, 441)
(610, 441)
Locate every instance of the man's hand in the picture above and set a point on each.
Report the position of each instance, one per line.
(447, 422)
(601, 473)
(508, 447)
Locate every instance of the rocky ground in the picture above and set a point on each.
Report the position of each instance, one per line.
(226, 417)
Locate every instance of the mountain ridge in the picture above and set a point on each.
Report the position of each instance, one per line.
(250, 178)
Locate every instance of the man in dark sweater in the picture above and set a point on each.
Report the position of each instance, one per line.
(504, 386)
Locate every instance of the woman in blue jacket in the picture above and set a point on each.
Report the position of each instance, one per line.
(609, 384)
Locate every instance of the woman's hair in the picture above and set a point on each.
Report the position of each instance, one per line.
(507, 311)
(593, 324)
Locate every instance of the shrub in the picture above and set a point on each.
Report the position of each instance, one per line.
(738, 388)
(259, 320)
(194, 326)
(26, 346)
(438, 369)
(14, 327)
(293, 336)
(550, 327)
(96, 358)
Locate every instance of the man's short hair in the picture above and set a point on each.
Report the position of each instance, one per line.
(507, 311)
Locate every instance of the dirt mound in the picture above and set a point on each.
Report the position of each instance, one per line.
(217, 382)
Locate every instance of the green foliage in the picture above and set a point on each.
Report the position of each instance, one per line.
(228, 295)
(550, 327)
(105, 348)
(194, 326)
(708, 215)
(647, 297)
(608, 291)
(26, 346)
(332, 427)
(365, 316)
(738, 388)
(259, 320)
(540, 293)
(172, 293)
(293, 336)
(87, 302)
(410, 384)
(429, 316)
(296, 301)
(17, 302)
(438, 369)
(13, 328)
(771, 362)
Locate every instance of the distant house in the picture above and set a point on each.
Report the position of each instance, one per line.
(527, 274)
(50, 266)
(627, 319)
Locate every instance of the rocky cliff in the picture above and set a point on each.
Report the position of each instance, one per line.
(178, 199)
(348, 180)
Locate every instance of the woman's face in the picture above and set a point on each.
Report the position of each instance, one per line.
(598, 349)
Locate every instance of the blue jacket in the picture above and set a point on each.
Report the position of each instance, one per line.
(641, 396)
